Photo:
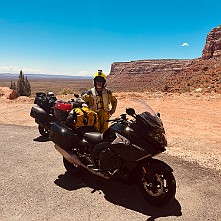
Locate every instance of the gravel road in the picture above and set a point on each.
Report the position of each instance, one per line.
(34, 186)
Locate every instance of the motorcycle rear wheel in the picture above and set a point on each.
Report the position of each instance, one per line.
(160, 190)
(43, 131)
(71, 168)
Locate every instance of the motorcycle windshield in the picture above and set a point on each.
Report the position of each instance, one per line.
(148, 124)
(146, 112)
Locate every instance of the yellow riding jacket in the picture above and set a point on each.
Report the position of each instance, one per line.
(97, 102)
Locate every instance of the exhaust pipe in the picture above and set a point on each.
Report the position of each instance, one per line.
(44, 125)
(68, 155)
(72, 158)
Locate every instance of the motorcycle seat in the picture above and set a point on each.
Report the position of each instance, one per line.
(93, 137)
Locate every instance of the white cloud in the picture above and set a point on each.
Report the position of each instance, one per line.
(6, 69)
(185, 44)
(16, 70)
(83, 73)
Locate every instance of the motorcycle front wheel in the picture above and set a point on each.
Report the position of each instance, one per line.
(43, 131)
(160, 189)
(71, 168)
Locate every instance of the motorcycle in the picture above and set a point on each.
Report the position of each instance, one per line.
(124, 153)
(43, 110)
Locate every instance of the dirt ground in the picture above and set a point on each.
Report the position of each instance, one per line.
(191, 121)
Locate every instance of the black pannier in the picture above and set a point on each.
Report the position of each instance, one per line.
(44, 101)
(63, 136)
(38, 113)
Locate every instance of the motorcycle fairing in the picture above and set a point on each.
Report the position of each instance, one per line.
(136, 135)
(150, 128)
(127, 150)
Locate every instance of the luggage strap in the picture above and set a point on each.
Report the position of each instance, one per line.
(85, 120)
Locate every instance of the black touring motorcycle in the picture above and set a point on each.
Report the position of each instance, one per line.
(43, 113)
(124, 152)
(43, 110)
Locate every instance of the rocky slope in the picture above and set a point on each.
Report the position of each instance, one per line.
(172, 75)
(8, 93)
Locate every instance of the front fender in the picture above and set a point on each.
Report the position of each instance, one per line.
(153, 166)
(150, 167)
(156, 165)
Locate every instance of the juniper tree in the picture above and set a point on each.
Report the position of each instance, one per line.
(27, 87)
(13, 86)
(23, 85)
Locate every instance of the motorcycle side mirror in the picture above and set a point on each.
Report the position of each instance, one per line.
(130, 111)
(76, 95)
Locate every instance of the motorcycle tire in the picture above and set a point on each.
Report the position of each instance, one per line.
(43, 131)
(160, 190)
(71, 168)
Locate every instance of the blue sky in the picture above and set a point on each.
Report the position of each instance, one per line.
(79, 37)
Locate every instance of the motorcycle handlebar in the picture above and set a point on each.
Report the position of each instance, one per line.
(114, 120)
(120, 119)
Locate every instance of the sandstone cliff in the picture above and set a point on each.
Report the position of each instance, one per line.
(172, 75)
(213, 44)
(146, 74)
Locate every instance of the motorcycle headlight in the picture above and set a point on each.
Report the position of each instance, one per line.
(159, 137)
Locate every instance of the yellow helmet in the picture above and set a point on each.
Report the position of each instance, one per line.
(100, 76)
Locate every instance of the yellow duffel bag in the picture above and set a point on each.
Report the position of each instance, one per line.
(79, 117)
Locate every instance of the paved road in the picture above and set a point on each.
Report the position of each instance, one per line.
(34, 186)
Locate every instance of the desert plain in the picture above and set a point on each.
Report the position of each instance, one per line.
(191, 120)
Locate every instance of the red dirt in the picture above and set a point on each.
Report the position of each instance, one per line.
(191, 121)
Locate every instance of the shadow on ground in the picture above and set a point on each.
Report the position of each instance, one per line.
(42, 139)
(119, 194)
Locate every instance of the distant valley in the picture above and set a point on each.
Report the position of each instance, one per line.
(9, 76)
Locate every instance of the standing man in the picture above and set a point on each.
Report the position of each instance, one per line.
(98, 99)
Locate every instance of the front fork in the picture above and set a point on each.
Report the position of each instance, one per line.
(153, 166)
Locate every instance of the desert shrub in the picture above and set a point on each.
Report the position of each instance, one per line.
(205, 68)
(66, 91)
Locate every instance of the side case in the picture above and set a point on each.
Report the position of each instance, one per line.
(38, 113)
(63, 136)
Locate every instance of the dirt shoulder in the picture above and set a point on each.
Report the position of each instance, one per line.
(192, 121)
